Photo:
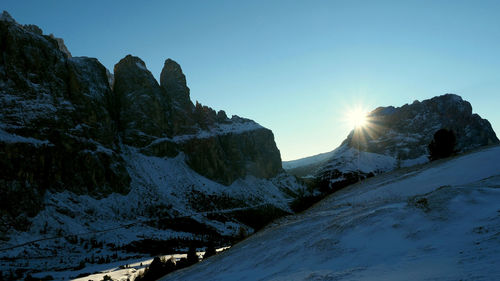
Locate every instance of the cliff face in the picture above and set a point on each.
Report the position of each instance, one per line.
(173, 81)
(234, 155)
(56, 133)
(63, 126)
(140, 103)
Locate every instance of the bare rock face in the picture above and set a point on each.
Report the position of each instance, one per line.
(43, 90)
(227, 152)
(32, 89)
(90, 95)
(141, 105)
(60, 44)
(185, 117)
(55, 132)
(232, 156)
(173, 80)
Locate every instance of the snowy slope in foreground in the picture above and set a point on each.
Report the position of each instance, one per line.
(436, 222)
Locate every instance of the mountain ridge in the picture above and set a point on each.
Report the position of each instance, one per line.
(400, 135)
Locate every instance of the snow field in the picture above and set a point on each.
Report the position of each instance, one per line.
(436, 222)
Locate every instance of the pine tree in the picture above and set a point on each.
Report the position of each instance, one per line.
(443, 144)
(192, 257)
(210, 251)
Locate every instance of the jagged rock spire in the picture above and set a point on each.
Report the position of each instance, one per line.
(5, 16)
(173, 80)
(141, 102)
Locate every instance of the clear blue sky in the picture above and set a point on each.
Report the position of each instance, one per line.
(294, 66)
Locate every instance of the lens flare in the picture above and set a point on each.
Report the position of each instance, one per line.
(356, 117)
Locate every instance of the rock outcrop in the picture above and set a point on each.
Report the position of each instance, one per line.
(225, 157)
(173, 80)
(139, 102)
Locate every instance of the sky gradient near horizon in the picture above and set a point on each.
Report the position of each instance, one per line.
(295, 67)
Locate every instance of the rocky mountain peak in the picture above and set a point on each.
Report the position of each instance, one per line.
(132, 65)
(131, 75)
(5, 16)
(173, 80)
(33, 28)
(172, 75)
(404, 132)
(140, 101)
(61, 45)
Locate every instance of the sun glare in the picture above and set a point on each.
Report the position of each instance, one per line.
(356, 117)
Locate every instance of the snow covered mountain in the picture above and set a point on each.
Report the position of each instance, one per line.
(438, 221)
(396, 137)
(115, 162)
(308, 161)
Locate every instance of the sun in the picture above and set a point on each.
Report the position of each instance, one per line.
(356, 117)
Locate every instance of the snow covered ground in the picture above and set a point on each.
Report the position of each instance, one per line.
(318, 158)
(119, 271)
(13, 138)
(236, 126)
(439, 221)
(347, 159)
(165, 187)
